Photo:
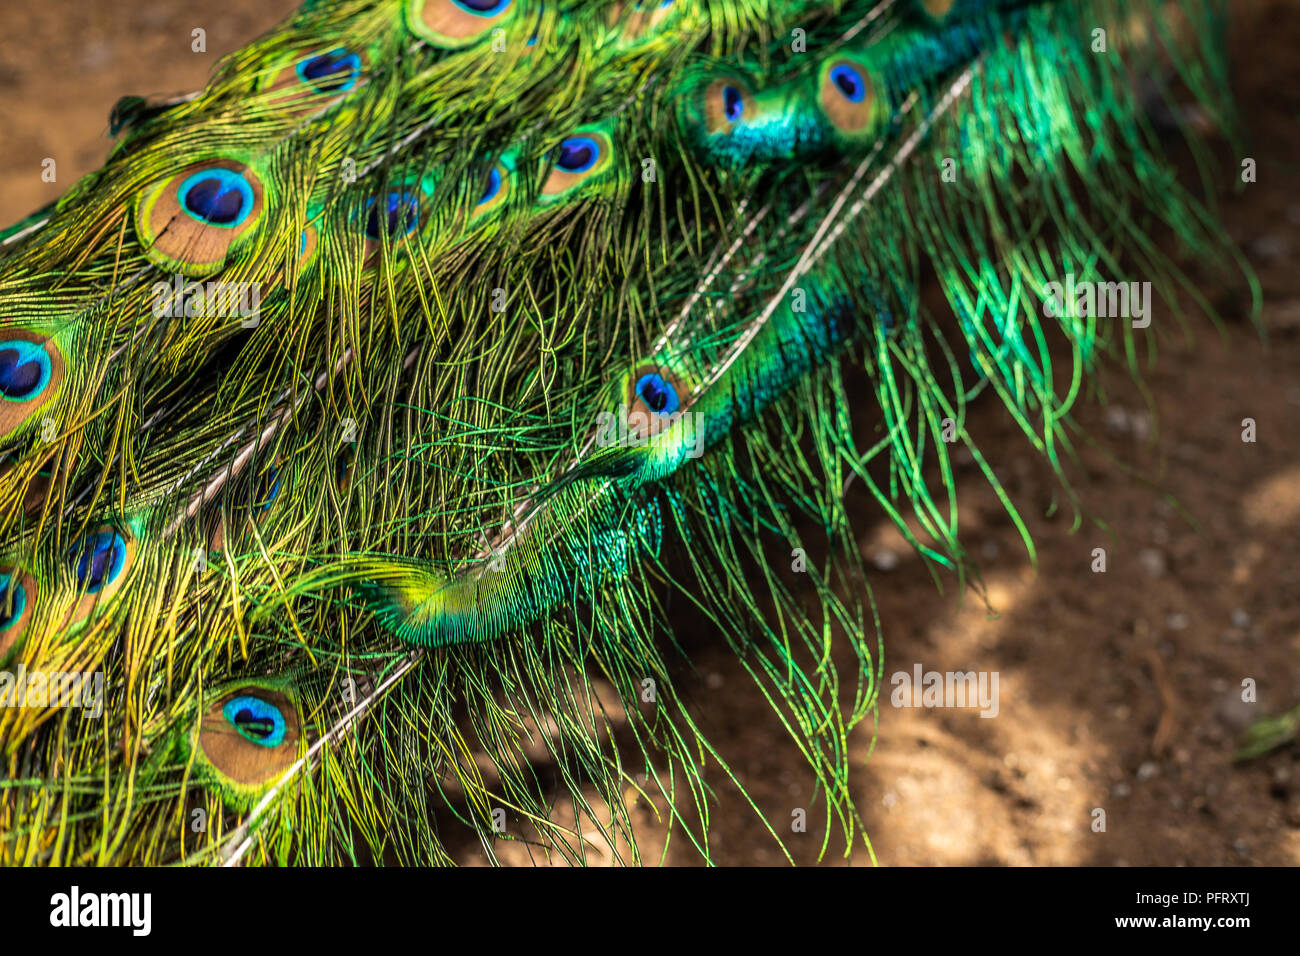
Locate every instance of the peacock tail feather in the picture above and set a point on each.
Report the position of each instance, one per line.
(365, 414)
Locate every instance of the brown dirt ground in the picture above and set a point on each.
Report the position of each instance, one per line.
(1118, 691)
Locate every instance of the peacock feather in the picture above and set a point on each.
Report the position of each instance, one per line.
(372, 415)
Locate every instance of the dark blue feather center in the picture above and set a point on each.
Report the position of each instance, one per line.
(217, 197)
(24, 369)
(658, 394)
(99, 559)
(214, 200)
(257, 720)
(394, 215)
(733, 103)
(493, 186)
(849, 82)
(335, 71)
(577, 154)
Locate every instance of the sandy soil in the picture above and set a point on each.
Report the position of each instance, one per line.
(1118, 691)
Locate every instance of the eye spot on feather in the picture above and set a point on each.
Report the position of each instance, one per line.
(493, 187)
(726, 103)
(849, 81)
(100, 563)
(307, 245)
(654, 398)
(17, 600)
(335, 71)
(318, 80)
(657, 393)
(190, 221)
(847, 96)
(24, 370)
(256, 720)
(578, 158)
(733, 104)
(392, 216)
(216, 197)
(31, 371)
(250, 735)
(455, 23)
(495, 191)
(98, 560)
(577, 154)
(389, 218)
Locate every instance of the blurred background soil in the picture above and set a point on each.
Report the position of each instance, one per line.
(1117, 690)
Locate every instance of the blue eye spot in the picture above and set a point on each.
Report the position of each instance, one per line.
(577, 154)
(256, 720)
(493, 186)
(24, 369)
(403, 215)
(13, 600)
(99, 558)
(333, 72)
(733, 103)
(482, 8)
(849, 82)
(217, 197)
(658, 394)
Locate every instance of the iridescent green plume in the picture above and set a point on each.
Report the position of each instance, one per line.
(365, 413)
